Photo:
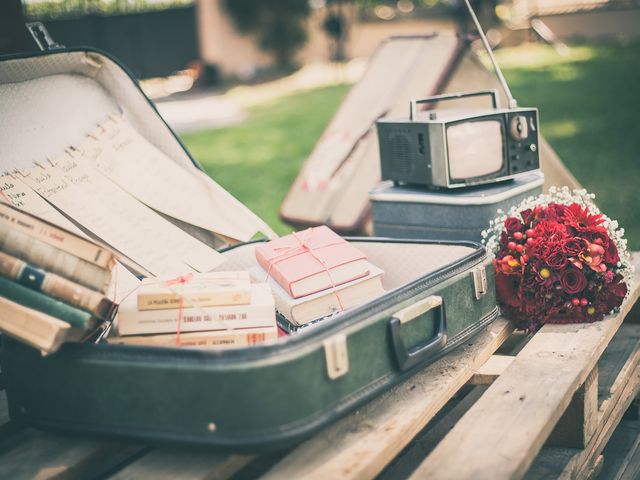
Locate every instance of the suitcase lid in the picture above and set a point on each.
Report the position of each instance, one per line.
(39, 89)
(489, 194)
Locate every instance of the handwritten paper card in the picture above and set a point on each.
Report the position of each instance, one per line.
(95, 202)
(138, 167)
(19, 194)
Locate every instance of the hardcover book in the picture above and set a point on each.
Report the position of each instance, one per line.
(259, 313)
(242, 337)
(44, 255)
(43, 303)
(327, 302)
(199, 290)
(34, 328)
(310, 261)
(57, 237)
(55, 286)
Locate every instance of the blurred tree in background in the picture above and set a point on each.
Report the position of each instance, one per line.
(279, 25)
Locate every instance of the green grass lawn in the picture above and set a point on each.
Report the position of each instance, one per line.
(258, 160)
(589, 103)
(589, 106)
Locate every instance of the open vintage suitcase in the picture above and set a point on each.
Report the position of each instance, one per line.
(262, 397)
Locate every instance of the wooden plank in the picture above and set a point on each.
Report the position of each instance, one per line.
(183, 463)
(43, 455)
(491, 369)
(623, 391)
(555, 462)
(579, 421)
(433, 433)
(504, 431)
(621, 452)
(616, 358)
(361, 445)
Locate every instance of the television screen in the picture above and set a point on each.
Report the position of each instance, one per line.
(475, 149)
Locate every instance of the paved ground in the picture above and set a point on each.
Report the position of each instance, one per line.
(198, 110)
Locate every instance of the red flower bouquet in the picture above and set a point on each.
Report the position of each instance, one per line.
(558, 260)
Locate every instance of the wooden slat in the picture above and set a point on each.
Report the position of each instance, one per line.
(492, 369)
(185, 464)
(622, 392)
(361, 445)
(434, 432)
(43, 455)
(552, 462)
(579, 421)
(621, 452)
(504, 431)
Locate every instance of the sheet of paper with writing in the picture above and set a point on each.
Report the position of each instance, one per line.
(19, 194)
(103, 208)
(138, 167)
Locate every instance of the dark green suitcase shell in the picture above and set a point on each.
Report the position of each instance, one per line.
(264, 397)
(268, 396)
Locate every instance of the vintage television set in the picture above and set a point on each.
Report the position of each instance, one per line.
(443, 148)
(456, 148)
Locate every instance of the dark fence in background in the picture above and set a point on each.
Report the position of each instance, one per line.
(151, 44)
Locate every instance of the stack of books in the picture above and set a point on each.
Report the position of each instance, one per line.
(314, 274)
(52, 281)
(216, 309)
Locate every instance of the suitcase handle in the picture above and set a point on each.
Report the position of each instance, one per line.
(409, 358)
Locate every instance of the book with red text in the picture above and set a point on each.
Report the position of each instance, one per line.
(259, 313)
(312, 260)
(235, 338)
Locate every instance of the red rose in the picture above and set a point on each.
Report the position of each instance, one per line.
(527, 216)
(512, 225)
(572, 281)
(574, 245)
(557, 259)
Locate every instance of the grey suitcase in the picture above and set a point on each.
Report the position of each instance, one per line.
(402, 211)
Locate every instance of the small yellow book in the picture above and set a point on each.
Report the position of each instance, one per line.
(199, 290)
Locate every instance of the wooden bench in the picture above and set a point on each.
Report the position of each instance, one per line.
(505, 405)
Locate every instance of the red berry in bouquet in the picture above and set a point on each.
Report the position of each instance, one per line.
(558, 260)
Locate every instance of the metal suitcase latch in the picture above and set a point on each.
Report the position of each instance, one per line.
(42, 36)
(336, 356)
(480, 282)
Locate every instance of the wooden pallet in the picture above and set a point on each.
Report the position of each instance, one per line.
(502, 406)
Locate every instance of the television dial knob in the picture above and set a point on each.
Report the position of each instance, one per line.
(519, 128)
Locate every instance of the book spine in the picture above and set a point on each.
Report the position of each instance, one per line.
(195, 319)
(56, 237)
(220, 339)
(34, 328)
(165, 301)
(38, 301)
(52, 259)
(55, 286)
